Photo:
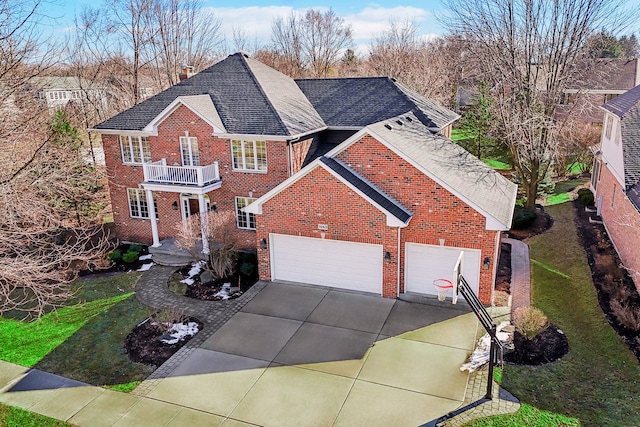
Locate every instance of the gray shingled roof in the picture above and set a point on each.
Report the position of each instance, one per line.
(385, 201)
(451, 165)
(250, 98)
(604, 74)
(361, 101)
(627, 108)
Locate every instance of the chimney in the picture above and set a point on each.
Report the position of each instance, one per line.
(187, 71)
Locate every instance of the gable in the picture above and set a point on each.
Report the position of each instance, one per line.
(446, 163)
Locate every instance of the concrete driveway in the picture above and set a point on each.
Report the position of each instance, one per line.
(293, 356)
(307, 356)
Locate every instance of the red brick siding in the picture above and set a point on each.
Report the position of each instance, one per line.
(437, 213)
(320, 198)
(166, 145)
(622, 221)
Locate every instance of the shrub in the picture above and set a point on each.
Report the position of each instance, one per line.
(627, 315)
(135, 247)
(130, 256)
(529, 321)
(176, 285)
(167, 317)
(116, 255)
(248, 264)
(523, 217)
(585, 196)
(223, 260)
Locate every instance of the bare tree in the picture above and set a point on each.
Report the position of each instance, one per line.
(526, 50)
(187, 34)
(311, 44)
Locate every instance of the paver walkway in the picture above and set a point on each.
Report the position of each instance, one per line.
(520, 274)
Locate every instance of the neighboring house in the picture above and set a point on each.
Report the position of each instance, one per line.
(353, 183)
(57, 92)
(594, 83)
(616, 177)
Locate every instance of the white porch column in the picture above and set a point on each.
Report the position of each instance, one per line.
(203, 223)
(152, 217)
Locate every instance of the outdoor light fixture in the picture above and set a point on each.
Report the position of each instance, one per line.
(486, 262)
(263, 243)
(213, 208)
(174, 206)
(387, 257)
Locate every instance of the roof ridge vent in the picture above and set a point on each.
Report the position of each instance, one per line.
(409, 119)
(399, 122)
(388, 126)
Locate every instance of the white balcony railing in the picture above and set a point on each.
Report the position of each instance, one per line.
(180, 175)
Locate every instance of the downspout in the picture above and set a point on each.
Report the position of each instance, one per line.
(398, 263)
(290, 158)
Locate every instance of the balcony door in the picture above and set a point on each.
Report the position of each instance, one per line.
(189, 151)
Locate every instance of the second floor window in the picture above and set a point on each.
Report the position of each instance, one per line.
(249, 155)
(189, 151)
(135, 149)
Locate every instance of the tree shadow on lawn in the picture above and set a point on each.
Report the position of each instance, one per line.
(95, 353)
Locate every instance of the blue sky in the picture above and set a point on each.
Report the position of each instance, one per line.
(254, 17)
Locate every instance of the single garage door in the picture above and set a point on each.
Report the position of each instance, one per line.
(335, 263)
(426, 263)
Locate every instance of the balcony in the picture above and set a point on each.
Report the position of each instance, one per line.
(158, 174)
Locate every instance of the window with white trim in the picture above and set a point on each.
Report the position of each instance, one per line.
(245, 220)
(135, 149)
(608, 126)
(189, 151)
(138, 207)
(249, 155)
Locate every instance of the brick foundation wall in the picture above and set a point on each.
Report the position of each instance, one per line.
(622, 222)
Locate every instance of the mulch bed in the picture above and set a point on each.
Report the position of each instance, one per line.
(612, 282)
(503, 275)
(548, 346)
(542, 223)
(143, 345)
(207, 292)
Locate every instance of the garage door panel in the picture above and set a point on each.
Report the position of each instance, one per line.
(345, 265)
(426, 263)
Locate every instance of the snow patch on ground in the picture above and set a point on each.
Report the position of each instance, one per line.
(188, 281)
(480, 355)
(180, 331)
(223, 293)
(145, 257)
(196, 269)
(145, 267)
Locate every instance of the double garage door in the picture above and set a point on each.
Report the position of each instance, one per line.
(335, 263)
(426, 263)
(358, 266)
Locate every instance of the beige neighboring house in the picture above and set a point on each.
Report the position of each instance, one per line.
(594, 83)
(57, 92)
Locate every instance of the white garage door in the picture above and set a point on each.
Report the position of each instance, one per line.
(426, 263)
(335, 263)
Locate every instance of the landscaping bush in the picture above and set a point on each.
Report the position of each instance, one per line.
(529, 321)
(248, 264)
(627, 315)
(135, 247)
(585, 196)
(116, 255)
(523, 217)
(130, 256)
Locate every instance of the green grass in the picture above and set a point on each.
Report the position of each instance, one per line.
(26, 343)
(562, 191)
(497, 164)
(527, 416)
(124, 388)
(100, 340)
(459, 135)
(598, 381)
(15, 417)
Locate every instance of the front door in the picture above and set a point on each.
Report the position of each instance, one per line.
(191, 206)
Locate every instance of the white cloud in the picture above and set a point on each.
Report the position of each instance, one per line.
(255, 21)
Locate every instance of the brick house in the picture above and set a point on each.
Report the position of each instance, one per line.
(616, 177)
(325, 169)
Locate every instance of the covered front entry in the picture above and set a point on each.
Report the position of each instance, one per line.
(426, 263)
(335, 263)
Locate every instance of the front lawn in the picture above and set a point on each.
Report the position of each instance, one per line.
(598, 381)
(527, 416)
(15, 417)
(84, 340)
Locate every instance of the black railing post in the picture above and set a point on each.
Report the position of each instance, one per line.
(492, 362)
